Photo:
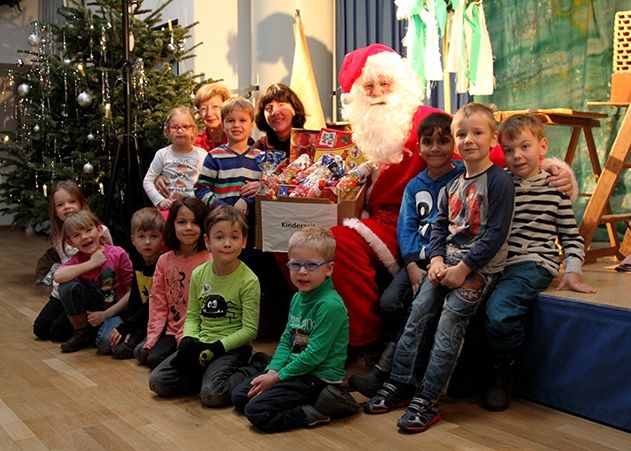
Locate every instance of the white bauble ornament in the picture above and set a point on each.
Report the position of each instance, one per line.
(36, 128)
(88, 168)
(33, 40)
(67, 61)
(90, 137)
(23, 90)
(84, 99)
(19, 62)
(171, 47)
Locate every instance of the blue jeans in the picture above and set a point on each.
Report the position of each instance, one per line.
(394, 305)
(455, 308)
(508, 304)
(103, 345)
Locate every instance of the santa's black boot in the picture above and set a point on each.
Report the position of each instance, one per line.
(368, 383)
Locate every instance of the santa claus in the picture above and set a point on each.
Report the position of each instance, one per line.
(381, 98)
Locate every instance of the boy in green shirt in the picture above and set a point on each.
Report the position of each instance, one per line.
(222, 319)
(301, 385)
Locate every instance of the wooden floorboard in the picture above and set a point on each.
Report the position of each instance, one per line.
(50, 400)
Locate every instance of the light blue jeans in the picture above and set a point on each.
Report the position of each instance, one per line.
(103, 334)
(455, 308)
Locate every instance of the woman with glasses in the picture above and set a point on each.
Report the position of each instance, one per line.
(179, 162)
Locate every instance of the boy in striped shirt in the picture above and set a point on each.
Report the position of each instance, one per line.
(542, 215)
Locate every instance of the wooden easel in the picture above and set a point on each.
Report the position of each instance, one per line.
(598, 210)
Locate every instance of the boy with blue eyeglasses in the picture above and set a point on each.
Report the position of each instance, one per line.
(301, 385)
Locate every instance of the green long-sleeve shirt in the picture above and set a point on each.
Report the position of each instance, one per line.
(224, 308)
(315, 339)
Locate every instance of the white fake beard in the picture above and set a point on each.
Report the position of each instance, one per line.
(380, 130)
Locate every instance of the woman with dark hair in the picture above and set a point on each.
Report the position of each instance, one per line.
(278, 110)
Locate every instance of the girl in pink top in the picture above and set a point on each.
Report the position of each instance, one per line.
(168, 299)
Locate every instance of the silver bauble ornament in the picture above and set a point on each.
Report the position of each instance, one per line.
(67, 61)
(88, 168)
(171, 47)
(84, 99)
(108, 26)
(36, 128)
(19, 62)
(90, 137)
(33, 40)
(23, 89)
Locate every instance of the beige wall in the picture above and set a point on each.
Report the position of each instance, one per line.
(245, 38)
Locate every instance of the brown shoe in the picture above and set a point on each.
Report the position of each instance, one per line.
(82, 338)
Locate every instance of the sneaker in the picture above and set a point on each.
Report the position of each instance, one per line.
(334, 401)
(313, 416)
(420, 414)
(387, 398)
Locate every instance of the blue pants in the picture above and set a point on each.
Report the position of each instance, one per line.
(280, 407)
(455, 308)
(394, 305)
(506, 308)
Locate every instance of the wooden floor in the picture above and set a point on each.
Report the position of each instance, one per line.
(50, 400)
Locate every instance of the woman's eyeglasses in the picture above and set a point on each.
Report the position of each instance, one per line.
(309, 266)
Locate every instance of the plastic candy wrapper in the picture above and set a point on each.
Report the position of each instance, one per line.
(269, 163)
(354, 178)
(325, 172)
(293, 169)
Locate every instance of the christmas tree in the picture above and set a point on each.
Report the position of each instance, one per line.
(71, 111)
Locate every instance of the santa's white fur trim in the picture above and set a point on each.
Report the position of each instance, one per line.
(552, 161)
(380, 248)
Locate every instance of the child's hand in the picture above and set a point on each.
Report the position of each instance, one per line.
(262, 382)
(415, 274)
(115, 338)
(454, 276)
(574, 282)
(98, 258)
(96, 318)
(250, 189)
(436, 270)
(242, 206)
(165, 204)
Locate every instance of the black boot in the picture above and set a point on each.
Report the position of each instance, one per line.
(497, 395)
(368, 383)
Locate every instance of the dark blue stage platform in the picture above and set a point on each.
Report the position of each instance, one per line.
(578, 354)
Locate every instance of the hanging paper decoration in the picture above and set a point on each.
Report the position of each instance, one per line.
(468, 51)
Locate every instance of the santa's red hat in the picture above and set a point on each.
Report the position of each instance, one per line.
(354, 63)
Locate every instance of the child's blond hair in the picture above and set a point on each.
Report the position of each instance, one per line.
(80, 220)
(237, 103)
(514, 125)
(473, 108)
(318, 239)
(183, 110)
(147, 219)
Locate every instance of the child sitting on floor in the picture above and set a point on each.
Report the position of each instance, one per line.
(147, 226)
(301, 385)
(221, 321)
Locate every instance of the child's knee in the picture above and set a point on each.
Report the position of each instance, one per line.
(215, 395)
